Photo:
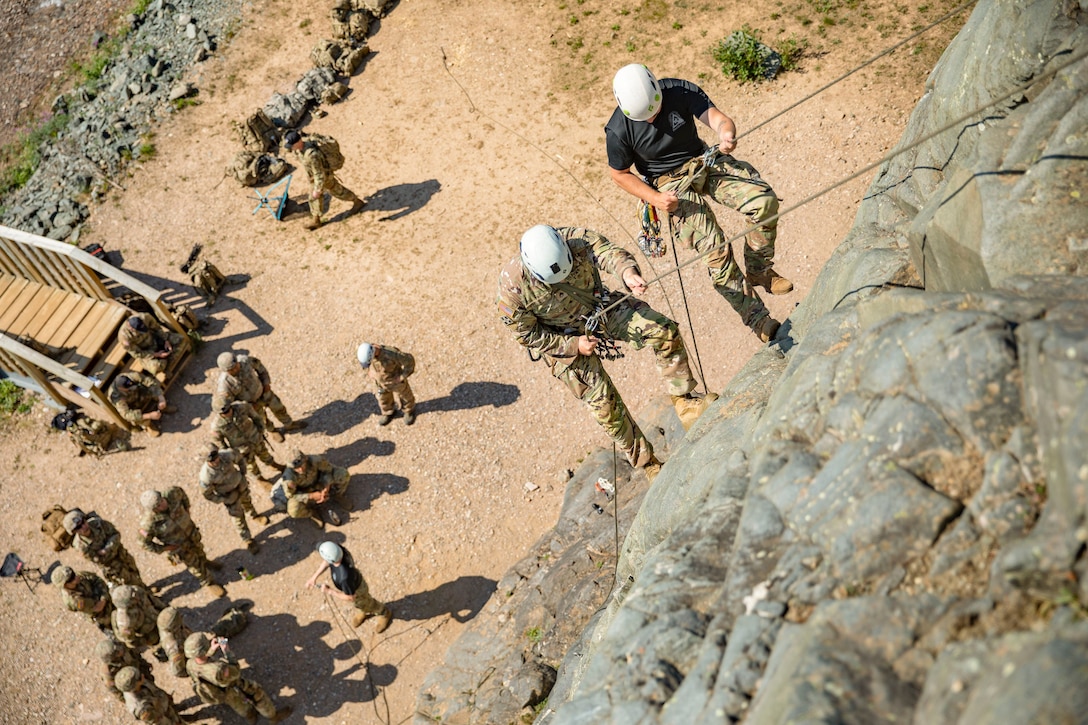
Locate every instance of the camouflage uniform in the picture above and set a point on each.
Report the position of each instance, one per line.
(173, 531)
(100, 542)
(89, 595)
(144, 345)
(548, 320)
(219, 680)
(251, 384)
(145, 700)
(224, 483)
(142, 397)
(116, 655)
(96, 437)
(317, 474)
(389, 370)
(322, 178)
(135, 621)
(243, 431)
(172, 636)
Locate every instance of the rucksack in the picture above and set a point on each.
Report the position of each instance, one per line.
(258, 133)
(330, 149)
(53, 528)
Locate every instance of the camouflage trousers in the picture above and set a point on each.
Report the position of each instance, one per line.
(172, 634)
(191, 553)
(333, 187)
(238, 509)
(737, 185)
(364, 602)
(299, 507)
(402, 391)
(271, 401)
(121, 569)
(247, 697)
(635, 322)
(159, 365)
(253, 453)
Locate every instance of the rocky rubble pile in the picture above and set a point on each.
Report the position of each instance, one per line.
(109, 118)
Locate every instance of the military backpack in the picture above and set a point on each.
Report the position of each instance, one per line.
(53, 528)
(329, 148)
(258, 133)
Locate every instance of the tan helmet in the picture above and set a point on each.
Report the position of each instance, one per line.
(109, 650)
(150, 499)
(197, 644)
(73, 520)
(298, 458)
(225, 361)
(123, 595)
(127, 679)
(62, 575)
(169, 618)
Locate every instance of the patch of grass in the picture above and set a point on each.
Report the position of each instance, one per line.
(739, 55)
(791, 49)
(19, 159)
(534, 634)
(180, 103)
(305, 23)
(13, 399)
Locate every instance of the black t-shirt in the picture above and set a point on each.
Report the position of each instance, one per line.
(672, 138)
(345, 576)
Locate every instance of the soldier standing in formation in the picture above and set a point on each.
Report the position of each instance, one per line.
(156, 348)
(145, 700)
(166, 526)
(653, 129)
(172, 635)
(545, 297)
(139, 399)
(222, 481)
(135, 620)
(350, 586)
(389, 368)
(241, 429)
(220, 680)
(85, 592)
(308, 482)
(321, 174)
(115, 655)
(244, 377)
(100, 542)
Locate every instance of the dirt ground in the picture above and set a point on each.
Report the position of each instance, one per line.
(468, 124)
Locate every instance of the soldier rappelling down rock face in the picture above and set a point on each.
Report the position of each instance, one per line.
(166, 527)
(320, 157)
(550, 297)
(653, 129)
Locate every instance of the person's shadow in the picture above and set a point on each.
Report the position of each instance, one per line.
(338, 416)
(462, 599)
(402, 199)
(472, 395)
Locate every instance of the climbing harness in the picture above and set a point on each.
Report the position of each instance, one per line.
(596, 327)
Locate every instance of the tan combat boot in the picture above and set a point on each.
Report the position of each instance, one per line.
(356, 206)
(652, 468)
(313, 223)
(261, 519)
(771, 281)
(277, 434)
(688, 409)
(766, 328)
(295, 425)
(216, 590)
(383, 620)
(359, 617)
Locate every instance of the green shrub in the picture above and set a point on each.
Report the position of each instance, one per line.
(740, 56)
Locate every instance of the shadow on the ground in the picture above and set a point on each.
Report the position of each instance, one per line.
(338, 416)
(472, 395)
(462, 599)
(402, 199)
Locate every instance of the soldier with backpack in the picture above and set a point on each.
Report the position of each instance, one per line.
(321, 158)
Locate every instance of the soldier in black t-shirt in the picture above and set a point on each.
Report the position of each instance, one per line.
(653, 129)
(349, 586)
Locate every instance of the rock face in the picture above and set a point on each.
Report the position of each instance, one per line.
(884, 516)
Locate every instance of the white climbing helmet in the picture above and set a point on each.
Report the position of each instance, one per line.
(637, 92)
(545, 254)
(365, 353)
(330, 552)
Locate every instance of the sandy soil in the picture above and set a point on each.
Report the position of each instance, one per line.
(456, 164)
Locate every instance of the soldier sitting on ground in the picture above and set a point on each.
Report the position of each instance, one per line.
(217, 679)
(100, 542)
(139, 399)
(308, 482)
(156, 349)
(90, 435)
(84, 592)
